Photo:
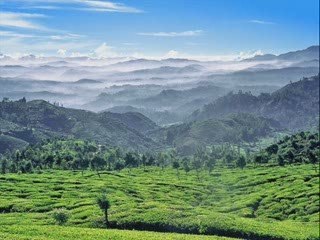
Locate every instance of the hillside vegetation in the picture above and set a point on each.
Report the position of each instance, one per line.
(295, 106)
(37, 120)
(234, 129)
(299, 148)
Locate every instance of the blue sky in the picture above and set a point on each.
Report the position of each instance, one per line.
(163, 28)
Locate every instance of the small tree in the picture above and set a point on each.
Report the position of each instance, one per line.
(280, 160)
(4, 166)
(97, 163)
(196, 165)
(144, 161)
(313, 159)
(60, 215)
(104, 204)
(241, 162)
(176, 165)
(185, 164)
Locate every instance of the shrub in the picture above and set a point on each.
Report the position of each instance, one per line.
(60, 215)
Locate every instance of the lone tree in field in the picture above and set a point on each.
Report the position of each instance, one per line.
(104, 205)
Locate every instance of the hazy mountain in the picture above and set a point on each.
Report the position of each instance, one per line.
(307, 54)
(295, 106)
(278, 77)
(159, 117)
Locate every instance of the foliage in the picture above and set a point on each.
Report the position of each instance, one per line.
(60, 216)
(299, 148)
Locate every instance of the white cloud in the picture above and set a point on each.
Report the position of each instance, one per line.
(261, 22)
(15, 34)
(87, 5)
(171, 54)
(68, 36)
(249, 54)
(190, 33)
(20, 20)
(62, 52)
(107, 6)
(104, 51)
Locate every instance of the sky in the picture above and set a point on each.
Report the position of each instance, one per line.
(200, 29)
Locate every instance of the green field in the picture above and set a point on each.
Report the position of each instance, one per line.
(254, 203)
(27, 232)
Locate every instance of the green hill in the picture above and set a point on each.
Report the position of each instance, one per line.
(36, 120)
(235, 128)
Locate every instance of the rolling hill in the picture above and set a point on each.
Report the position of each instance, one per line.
(36, 120)
(234, 129)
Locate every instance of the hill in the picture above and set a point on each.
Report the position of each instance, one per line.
(295, 106)
(36, 120)
(235, 129)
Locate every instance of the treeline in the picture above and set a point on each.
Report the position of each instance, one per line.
(299, 148)
(82, 155)
(72, 154)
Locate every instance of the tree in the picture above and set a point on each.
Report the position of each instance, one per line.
(197, 161)
(272, 149)
(104, 204)
(185, 164)
(97, 163)
(60, 215)
(228, 159)
(4, 166)
(161, 160)
(290, 156)
(28, 167)
(280, 160)
(144, 161)
(241, 162)
(111, 159)
(313, 159)
(176, 165)
(130, 160)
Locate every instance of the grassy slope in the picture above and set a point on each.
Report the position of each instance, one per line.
(261, 203)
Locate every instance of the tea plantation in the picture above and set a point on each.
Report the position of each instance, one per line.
(264, 202)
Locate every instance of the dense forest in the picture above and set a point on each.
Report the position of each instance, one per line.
(83, 155)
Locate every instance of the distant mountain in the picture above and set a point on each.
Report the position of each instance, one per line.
(295, 106)
(310, 63)
(171, 98)
(307, 54)
(159, 117)
(37, 120)
(134, 120)
(87, 81)
(166, 70)
(278, 77)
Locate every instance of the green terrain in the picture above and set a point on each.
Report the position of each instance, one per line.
(253, 203)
